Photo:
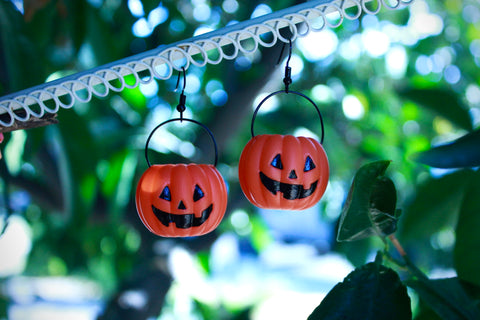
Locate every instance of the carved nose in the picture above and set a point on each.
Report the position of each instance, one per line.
(292, 175)
(181, 206)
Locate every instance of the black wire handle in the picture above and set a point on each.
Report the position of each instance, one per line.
(183, 98)
(181, 119)
(288, 92)
(287, 80)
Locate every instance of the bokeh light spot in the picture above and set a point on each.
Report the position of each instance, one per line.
(269, 105)
(149, 89)
(260, 10)
(136, 8)
(376, 43)
(193, 84)
(141, 28)
(243, 63)
(423, 65)
(157, 16)
(452, 74)
(230, 6)
(397, 61)
(212, 86)
(219, 97)
(322, 93)
(201, 12)
(318, 45)
(352, 107)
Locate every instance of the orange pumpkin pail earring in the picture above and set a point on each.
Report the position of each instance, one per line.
(181, 200)
(283, 171)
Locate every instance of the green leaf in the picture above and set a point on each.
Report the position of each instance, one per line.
(424, 312)
(383, 201)
(446, 297)
(134, 97)
(113, 173)
(461, 153)
(370, 292)
(79, 138)
(125, 183)
(445, 102)
(17, 49)
(435, 206)
(467, 246)
(75, 22)
(370, 206)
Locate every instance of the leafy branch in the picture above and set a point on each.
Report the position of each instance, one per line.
(370, 210)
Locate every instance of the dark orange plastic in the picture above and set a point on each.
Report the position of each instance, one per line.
(283, 172)
(180, 200)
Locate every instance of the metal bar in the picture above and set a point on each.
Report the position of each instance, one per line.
(17, 106)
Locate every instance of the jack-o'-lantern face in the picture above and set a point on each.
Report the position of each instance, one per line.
(283, 172)
(289, 190)
(181, 200)
(182, 220)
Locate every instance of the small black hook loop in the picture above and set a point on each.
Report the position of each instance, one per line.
(181, 119)
(288, 92)
(287, 80)
(183, 98)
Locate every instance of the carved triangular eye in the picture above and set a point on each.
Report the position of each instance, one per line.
(197, 193)
(165, 195)
(309, 165)
(277, 162)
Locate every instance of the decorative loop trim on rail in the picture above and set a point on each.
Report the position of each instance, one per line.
(160, 63)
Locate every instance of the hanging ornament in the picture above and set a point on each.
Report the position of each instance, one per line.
(283, 171)
(181, 200)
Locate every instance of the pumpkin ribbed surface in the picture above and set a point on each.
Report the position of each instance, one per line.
(283, 171)
(180, 200)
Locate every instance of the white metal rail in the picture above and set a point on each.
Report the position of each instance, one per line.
(208, 48)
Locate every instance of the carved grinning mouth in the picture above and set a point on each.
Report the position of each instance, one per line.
(289, 191)
(182, 221)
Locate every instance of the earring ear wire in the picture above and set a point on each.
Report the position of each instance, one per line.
(287, 79)
(183, 98)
